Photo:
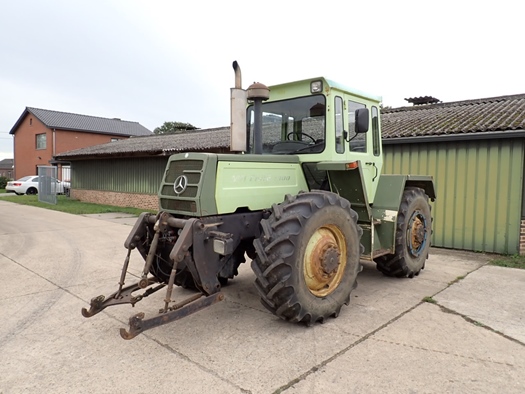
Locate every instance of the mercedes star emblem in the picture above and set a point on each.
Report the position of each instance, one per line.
(180, 184)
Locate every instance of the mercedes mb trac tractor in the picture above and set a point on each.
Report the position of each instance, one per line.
(301, 195)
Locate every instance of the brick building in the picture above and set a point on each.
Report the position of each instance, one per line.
(6, 168)
(41, 134)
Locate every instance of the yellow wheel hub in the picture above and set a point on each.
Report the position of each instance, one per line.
(325, 260)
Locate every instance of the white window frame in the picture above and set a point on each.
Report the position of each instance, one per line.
(41, 143)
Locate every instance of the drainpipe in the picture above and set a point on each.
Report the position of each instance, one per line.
(59, 175)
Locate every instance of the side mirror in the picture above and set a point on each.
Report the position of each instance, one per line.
(361, 120)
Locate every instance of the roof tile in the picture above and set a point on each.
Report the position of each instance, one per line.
(164, 144)
(84, 123)
(503, 113)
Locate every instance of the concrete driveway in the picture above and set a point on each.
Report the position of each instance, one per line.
(387, 341)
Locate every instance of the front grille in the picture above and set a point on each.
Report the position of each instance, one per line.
(187, 200)
(193, 178)
(180, 167)
(192, 169)
(191, 191)
(178, 205)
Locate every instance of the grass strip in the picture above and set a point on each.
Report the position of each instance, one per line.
(69, 205)
(515, 261)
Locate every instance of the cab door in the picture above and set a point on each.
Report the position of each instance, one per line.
(365, 147)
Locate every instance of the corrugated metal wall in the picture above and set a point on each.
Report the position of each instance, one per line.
(479, 190)
(126, 175)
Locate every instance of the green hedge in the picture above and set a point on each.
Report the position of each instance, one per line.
(3, 182)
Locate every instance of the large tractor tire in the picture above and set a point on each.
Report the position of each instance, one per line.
(413, 232)
(231, 263)
(307, 257)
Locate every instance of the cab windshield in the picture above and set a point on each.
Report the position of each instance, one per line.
(295, 126)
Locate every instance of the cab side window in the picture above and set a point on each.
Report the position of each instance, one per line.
(375, 132)
(339, 126)
(357, 142)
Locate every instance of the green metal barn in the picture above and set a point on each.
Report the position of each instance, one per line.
(474, 149)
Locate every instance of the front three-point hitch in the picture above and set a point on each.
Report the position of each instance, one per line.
(177, 235)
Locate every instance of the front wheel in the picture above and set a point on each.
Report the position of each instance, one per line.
(413, 232)
(307, 257)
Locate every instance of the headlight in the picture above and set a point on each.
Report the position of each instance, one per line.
(316, 86)
(223, 246)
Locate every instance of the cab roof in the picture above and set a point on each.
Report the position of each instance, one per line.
(332, 85)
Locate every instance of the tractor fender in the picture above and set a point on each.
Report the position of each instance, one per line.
(386, 207)
(390, 189)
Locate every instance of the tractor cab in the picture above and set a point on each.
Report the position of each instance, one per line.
(319, 121)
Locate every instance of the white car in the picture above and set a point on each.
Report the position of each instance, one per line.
(29, 185)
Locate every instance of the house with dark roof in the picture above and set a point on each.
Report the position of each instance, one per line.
(6, 168)
(41, 134)
(474, 149)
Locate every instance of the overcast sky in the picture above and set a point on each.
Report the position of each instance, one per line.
(153, 61)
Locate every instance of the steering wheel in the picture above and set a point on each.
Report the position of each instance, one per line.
(299, 133)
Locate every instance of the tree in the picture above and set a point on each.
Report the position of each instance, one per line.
(174, 128)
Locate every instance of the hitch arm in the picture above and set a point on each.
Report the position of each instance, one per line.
(137, 324)
(122, 296)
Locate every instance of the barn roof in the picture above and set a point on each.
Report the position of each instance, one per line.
(84, 123)
(164, 144)
(505, 113)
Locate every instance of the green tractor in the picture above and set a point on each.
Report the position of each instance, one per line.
(303, 197)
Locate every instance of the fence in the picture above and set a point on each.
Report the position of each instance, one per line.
(47, 184)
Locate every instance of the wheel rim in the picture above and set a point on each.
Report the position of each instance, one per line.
(325, 260)
(416, 233)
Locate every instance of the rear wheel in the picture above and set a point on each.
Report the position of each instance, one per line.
(413, 231)
(307, 257)
(31, 191)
